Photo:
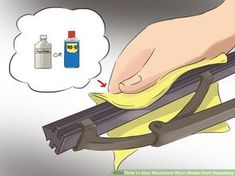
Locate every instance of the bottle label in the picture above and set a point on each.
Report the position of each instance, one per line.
(72, 47)
(71, 55)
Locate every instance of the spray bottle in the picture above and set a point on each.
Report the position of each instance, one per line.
(71, 51)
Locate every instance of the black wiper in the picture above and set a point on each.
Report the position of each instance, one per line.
(82, 130)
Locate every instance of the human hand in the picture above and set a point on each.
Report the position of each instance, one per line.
(165, 46)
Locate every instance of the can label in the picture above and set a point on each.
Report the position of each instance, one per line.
(71, 58)
(72, 47)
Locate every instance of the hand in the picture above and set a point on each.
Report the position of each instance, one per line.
(165, 46)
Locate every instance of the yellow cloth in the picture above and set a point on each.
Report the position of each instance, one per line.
(143, 99)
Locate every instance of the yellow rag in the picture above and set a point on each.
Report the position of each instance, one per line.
(143, 99)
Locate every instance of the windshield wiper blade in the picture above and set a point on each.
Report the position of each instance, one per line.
(64, 134)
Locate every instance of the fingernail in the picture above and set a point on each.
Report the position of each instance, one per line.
(132, 81)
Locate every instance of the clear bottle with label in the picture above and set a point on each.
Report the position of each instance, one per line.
(71, 51)
(42, 54)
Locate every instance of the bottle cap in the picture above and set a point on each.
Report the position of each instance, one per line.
(43, 37)
(71, 34)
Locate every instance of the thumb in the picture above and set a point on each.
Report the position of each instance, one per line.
(150, 73)
(137, 83)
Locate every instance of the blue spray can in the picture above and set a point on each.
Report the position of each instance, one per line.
(71, 51)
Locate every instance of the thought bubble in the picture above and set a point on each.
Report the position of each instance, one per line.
(54, 23)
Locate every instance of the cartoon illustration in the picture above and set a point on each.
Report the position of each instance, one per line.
(61, 76)
(157, 100)
(175, 112)
(42, 52)
(121, 85)
(71, 51)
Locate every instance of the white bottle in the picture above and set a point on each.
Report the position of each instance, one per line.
(42, 54)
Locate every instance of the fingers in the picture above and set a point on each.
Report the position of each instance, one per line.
(129, 63)
(144, 79)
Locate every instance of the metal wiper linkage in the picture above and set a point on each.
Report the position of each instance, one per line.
(82, 130)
